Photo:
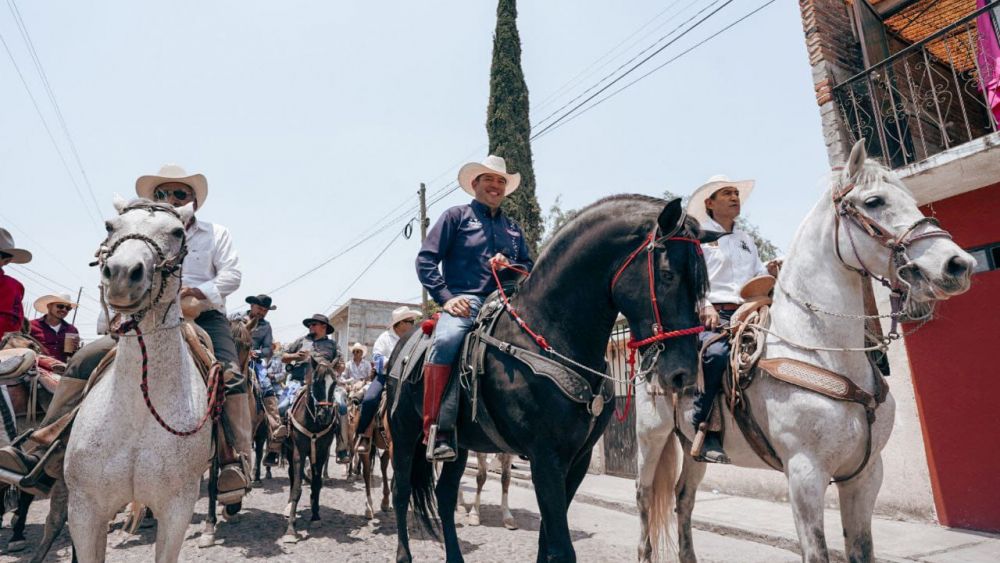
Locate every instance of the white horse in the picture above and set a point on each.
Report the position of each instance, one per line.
(482, 468)
(815, 437)
(118, 452)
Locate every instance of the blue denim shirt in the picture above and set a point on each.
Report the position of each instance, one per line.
(462, 242)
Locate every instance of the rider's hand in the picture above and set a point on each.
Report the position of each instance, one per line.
(458, 307)
(192, 292)
(709, 317)
(499, 261)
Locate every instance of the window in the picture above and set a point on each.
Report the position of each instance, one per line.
(987, 257)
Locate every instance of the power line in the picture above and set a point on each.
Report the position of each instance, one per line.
(49, 132)
(364, 271)
(41, 247)
(31, 276)
(23, 28)
(614, 93)
(38, 274)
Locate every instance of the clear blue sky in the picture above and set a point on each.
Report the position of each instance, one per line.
(312, 120)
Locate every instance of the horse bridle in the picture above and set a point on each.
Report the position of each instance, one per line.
(898, 246)
(166, 266)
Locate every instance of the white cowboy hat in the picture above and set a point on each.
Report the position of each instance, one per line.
(403, 313)
(359, 346)
(492, 165)
(43, 302)
(146, 185)
(696, 205)
(18, 255)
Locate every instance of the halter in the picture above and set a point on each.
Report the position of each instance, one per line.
(649, 244)
(897, 245)
(166, 267)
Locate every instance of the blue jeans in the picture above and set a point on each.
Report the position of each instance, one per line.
(450, 332)
(714, 363)
(266, 388)
(340, 396)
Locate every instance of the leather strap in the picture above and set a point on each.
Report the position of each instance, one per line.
(819, 380)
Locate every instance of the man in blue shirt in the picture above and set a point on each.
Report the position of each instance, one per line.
(467, 241)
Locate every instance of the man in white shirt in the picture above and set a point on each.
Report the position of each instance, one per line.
(210, 273)
(732, 261)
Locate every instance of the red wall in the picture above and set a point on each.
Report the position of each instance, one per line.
(955, 362)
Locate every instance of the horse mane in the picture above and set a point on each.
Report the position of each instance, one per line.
(643, 222)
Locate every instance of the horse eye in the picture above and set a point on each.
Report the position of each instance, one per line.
(178, 232)
(108, 226)
(874, 202)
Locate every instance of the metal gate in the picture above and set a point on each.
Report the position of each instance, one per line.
(619, 437)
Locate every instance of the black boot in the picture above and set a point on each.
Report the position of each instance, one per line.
(712, 451)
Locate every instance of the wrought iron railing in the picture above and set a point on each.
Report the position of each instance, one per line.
(925, 99)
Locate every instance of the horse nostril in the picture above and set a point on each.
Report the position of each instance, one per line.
(677, 381)
(956, 267)
(136, 273)
(106, 272)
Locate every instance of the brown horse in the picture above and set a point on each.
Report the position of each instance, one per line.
(381, 446)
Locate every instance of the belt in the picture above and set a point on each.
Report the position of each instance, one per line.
(726, 306)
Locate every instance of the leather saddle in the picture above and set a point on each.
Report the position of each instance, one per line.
(14, 363)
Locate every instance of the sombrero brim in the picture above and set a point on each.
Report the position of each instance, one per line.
(43, 302)
(254, 301)
(472, 170)
(696, 205)
(305, 323)
(17, 255)
(145, 186)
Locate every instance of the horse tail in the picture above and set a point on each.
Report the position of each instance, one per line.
(661, 504)
(133, 518)
(422, 490)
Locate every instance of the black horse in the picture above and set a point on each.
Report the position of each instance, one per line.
(314, 423)
(597, 265)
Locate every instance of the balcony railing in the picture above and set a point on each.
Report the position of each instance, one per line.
(924, 99)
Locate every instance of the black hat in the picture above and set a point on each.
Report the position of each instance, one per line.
(319, 318)
(262, 300)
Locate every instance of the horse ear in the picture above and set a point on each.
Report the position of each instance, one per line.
(186, 212)
(672, 217)
(706, 237)
(119, 202)
(857, 158)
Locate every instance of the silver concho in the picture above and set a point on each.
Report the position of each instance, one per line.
(597, 405)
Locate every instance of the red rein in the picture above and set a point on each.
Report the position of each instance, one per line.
(215, 395)
(648, 244)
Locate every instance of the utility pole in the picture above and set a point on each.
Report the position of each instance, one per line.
(423, 235)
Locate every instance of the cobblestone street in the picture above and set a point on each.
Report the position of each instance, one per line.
(599, 534)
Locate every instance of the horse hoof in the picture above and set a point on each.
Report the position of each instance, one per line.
(385, 507)
(14, 546)
(230, 518)
(509, 523)
(290, 538)
(206, 540)
(473, 519)
(369, 513)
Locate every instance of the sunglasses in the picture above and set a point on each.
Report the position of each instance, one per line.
(63, 307)
(4, 256)
(179, 195)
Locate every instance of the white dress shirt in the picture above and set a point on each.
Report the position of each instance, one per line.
(360, 371)
(732, 261)
(383, 347)
(211, 264)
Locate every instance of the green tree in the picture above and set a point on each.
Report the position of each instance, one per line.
(508, 124)
(555, 219)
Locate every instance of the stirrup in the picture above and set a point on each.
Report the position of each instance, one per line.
(432, 445)
(35, 482)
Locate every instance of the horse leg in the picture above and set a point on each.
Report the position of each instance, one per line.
(88, 526)
(481, 469)
(296, 473)
(259, 438)
(806, 485)
(316, 486)
(54, 522)
(402, 488)
(447, 496)
(384, 462)
(17, 522)
(654, 491)
(366, 473)
(172, 521)
(506, 460)
(692, 472)
(857, 501)
(207, 538)
(549, 476)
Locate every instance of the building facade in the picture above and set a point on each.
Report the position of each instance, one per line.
(919, 81)
(363, 320)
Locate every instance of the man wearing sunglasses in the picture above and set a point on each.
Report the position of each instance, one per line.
(210, 273)
(51, 329)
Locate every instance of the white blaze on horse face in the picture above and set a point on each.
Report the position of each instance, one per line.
(127, 274)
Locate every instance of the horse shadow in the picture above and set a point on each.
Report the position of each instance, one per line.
(33, 535)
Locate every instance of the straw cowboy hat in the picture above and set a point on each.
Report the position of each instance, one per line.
(359, 346)
(696, 205)
(145, 185)
(262, 301)
(318, 318)
(18, 255)
(43, 302)
(492, 165)
(403, 313)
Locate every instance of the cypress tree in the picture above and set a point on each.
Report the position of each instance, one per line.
(508, 124)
